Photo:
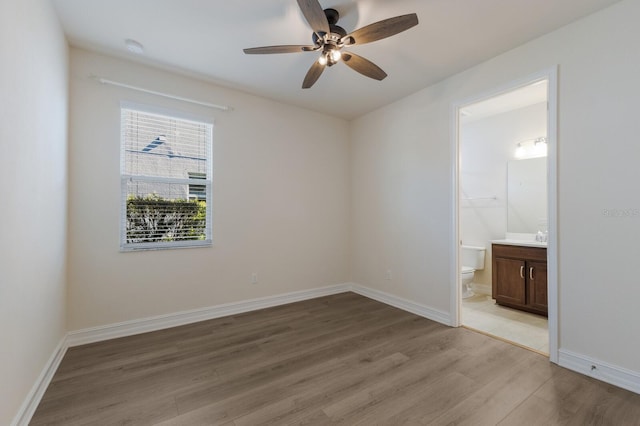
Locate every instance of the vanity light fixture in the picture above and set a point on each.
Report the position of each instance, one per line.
(540, 147)
(532, 148)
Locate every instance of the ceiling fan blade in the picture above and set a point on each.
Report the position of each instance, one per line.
(313, 74)
(279, 49)
(363, 66)
(381, 29)
(314, 14)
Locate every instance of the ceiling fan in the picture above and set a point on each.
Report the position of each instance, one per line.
(329, 38)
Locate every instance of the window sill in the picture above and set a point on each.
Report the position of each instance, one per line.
(165, 246)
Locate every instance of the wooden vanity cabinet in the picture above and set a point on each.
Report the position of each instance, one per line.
(520, 277)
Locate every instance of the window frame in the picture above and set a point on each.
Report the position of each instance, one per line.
(207, 181)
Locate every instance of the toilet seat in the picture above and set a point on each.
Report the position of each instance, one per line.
(467, 269)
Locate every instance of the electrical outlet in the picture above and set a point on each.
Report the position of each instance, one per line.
(254, 278)
(388, 274)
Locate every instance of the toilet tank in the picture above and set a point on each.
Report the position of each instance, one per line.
(473, 257)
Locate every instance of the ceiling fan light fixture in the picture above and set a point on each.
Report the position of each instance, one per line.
(331, 38)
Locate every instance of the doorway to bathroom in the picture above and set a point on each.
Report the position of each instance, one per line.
(505, 204)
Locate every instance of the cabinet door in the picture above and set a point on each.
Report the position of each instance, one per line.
(537, 275)
(509, 281)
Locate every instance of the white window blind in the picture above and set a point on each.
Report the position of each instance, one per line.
(166, 181)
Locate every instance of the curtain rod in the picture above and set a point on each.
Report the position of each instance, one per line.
(165, 95)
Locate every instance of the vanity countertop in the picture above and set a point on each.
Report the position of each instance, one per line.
(526, 243)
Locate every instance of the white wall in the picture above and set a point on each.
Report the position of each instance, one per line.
(280, 201)
(486, 146)
(33, 192)
(402, 182)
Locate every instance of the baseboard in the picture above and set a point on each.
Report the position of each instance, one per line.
(482, 288)
(404, 304)
(614, 375)
(160, 322)
(32, 400)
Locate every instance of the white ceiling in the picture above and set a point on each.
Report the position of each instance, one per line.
(518, 98)
(205, 38)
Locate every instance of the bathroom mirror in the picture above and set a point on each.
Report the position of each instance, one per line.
(527, 195)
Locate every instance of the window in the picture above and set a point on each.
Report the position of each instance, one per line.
(166, 181)
(197, 192)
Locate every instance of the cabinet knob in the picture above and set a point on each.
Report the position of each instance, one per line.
(531, 272)
(522, 271)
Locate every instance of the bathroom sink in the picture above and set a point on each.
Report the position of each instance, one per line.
(516, 242)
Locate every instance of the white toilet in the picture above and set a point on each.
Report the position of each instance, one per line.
(472, 260)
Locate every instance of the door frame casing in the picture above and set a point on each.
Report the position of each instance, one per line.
(551, 75)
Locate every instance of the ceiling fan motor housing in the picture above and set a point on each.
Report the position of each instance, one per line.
(332, 17)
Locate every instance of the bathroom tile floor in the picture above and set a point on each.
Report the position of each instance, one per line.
(481, 313)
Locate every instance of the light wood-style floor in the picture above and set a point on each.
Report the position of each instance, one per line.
(342, 359)
(481, 312)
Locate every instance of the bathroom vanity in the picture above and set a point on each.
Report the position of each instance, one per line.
(519, 278)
